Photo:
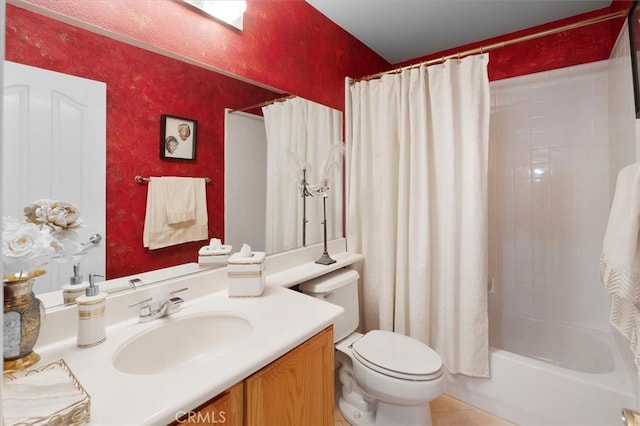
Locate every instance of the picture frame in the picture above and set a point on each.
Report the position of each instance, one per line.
(633, 20)
(178, 137)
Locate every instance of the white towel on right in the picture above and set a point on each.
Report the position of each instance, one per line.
(620, 261)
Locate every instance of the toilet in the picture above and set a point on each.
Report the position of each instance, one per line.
(385, 378)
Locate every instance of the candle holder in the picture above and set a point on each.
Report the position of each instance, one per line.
(321, 189)
(304, 193)
(325, 259)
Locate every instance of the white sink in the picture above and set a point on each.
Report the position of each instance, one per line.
(175, 342)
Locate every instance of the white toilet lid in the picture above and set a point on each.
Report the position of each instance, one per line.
(398, 356)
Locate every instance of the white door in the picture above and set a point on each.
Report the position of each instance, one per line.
(245, 180)
(54, 146)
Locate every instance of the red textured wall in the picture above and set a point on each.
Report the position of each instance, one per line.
(574, 47)
(140, 87)
(285, 44)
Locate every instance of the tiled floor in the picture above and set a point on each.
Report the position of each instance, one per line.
(447, 411)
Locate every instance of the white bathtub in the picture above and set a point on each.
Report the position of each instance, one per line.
(549, 374)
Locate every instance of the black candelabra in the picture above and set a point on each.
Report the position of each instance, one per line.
(325, 259)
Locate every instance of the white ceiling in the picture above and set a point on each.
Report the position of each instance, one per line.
(399, 30)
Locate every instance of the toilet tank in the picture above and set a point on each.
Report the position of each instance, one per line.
(340, 288)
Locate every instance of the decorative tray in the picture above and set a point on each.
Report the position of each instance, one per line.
(50, 395)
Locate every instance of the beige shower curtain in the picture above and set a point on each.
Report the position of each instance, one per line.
(300, 135)
(417, 155)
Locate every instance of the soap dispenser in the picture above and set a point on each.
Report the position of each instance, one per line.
(76, 287)
(91, 328)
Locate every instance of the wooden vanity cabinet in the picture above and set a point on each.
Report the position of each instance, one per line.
(294, 390)
(225, 409)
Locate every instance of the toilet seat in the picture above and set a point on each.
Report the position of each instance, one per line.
(398, 356)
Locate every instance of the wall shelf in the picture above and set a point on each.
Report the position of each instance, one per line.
(309, 270)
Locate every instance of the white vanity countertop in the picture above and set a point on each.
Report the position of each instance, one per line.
(281, 320)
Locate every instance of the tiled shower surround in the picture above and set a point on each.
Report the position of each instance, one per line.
(549, 194)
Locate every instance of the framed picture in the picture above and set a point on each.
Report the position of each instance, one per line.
(634, 39)
(178, 137)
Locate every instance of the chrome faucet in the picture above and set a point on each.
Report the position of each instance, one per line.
(165, 308)
(135, 282)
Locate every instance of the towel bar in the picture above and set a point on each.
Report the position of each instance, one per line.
(140, 179)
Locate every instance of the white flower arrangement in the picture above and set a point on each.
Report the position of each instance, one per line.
(47, 233)
(61, 218)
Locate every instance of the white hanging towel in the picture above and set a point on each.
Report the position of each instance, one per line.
(176, 212)
(180, 199)
(620, 262)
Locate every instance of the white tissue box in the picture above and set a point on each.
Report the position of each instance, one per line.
(208, 256)
(213, 260)
(246, 275)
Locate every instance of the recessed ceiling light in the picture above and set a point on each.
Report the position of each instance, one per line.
(227, 11)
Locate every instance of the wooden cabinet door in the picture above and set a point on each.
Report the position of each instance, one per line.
(296, 389)
(225, 409)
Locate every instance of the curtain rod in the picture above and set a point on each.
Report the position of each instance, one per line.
(483, 49)
(265, 103)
